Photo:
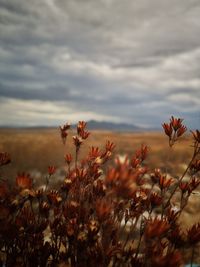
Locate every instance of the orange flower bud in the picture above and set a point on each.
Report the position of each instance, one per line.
(156, 228)
(80, 127)
(168, 129)
(176, 123)
(109, 146)
(185, 187)
(165, 182)
(68, 158)
(51, 170)
(24, 181)
(77, 141)
(181, 130)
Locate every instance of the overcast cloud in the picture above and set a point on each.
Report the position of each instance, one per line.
(122, 61)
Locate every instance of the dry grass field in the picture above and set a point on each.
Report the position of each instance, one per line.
(36, 149)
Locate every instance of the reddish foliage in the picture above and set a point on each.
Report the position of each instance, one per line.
(100, 218)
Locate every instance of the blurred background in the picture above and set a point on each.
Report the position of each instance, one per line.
(133, 62)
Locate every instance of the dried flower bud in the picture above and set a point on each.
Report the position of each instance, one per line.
(174, 129)
(81, 174)
(94, 153)
(155, 176)
(142, 152)
(185, 187)
(93, 227)
(4, 158)
(172, 214)
(99, 188)
(51, 170)
(176, 123)
(84, 135)
(112, 176)
(63, 131)
(77, 141)
(156, 227)
(165, 182)
(24, 181)
(181, 130)
(106, 155)
(168, 129)
(67, 184)
(28, 193)
(65, 127)
(103, 210)
(194, 234)
(81, 127)
(71, 227)
(135, 162)
(71, 210)
(68, 158)
(54, 197)
(110, 146)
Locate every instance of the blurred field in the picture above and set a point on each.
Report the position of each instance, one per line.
(36, 149)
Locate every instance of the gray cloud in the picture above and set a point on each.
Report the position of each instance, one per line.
(131, 61)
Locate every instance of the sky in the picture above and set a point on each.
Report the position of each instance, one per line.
(130, 61)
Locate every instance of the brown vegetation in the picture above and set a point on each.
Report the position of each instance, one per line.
(36, 149)
(104, 212)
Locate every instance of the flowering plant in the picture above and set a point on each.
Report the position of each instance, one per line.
(120, 216)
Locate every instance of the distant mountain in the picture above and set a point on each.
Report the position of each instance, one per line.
(110, 126)
(91, 125)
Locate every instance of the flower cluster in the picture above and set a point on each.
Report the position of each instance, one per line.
(64, 131)
(82, 134)
(174, 129)
(122, 216)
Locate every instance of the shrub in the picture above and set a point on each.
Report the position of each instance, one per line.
(123, 216)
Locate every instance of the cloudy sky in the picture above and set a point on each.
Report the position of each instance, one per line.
(133, 61)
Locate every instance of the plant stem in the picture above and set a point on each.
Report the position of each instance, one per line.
(76, 159)
(179, 181)
(47, 182)
(138, 246)
(192, 256)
